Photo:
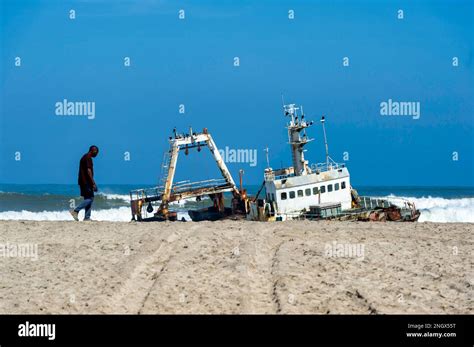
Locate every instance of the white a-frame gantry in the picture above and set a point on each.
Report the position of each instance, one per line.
(216, 187)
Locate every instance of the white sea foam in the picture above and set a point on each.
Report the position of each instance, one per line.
(115, 196)
(121, 214)
(433, 209)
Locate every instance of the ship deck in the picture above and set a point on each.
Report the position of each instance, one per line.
(182, 190)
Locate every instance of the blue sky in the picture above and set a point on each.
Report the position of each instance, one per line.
(191, 62)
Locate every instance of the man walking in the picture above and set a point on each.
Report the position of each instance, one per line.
(86, 183)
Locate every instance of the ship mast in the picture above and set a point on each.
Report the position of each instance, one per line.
(325, 143)
(297, 138)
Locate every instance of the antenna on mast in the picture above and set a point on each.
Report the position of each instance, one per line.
(268, 161)
(325, 143)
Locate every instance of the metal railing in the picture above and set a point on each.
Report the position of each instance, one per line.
(323, 167)
(315, 168)
(146, 193)
(155, 193)
(368, 202)
(186, 185)
(270, 176)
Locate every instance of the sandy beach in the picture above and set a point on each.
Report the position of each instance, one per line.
(236, 267)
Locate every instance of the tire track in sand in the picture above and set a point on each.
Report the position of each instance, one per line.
(259, 281)
(255, 279)
(133, 293)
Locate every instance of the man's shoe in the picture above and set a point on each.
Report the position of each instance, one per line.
(74, 214)
(87, 220)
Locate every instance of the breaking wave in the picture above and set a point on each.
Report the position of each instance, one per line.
(441, 210)
(123, 197)
(121, 214)
(115, 207)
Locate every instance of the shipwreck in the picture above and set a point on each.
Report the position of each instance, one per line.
(301, 191)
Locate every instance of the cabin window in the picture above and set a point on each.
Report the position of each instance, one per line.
(343, 185)
(323, 189)
(329, 188)
(283, 196)
(300, 193)
(307, 192)
(315, 191)
(336, 186)
(292, 195)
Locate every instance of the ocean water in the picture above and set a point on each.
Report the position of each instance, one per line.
(52, 201)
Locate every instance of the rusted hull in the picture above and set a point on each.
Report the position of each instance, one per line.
(391, 214)
(172, 217)
(209, 214)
